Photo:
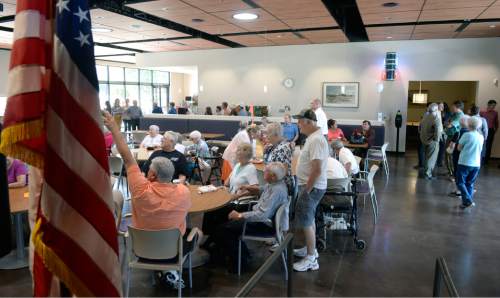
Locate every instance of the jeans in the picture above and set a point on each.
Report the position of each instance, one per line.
(466, 177)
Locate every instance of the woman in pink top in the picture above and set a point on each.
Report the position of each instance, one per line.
(334, 132)
(17, 173)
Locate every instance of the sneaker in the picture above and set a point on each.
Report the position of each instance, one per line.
(455, 194)
(172, 279)
(274, 247)
(306, 264)
(302, 252)
(465, 206)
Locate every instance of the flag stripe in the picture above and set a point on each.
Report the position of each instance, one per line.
(23, 107)
(29, 23)
(78, 158)
(78, 261)
(81, 125)
(27, 51)
(81, 90)
(60, 213)
(41, 6)
(24, 79)
(81, 197)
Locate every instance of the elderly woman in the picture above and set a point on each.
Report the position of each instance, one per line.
(278, 150)
(199, 150)
(17, 173)
(168, 150)
(272, 195)
(244, 136)
(153, 139)
(244, 172)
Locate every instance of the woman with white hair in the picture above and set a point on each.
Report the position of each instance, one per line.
(453, 148)
(258, 220)
(153, 139)
(278, 150)
(199, 150)
(244, 172)
(229, 156)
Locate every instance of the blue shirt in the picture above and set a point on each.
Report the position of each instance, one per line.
(290, 130)
(472, 144)
(172, 111)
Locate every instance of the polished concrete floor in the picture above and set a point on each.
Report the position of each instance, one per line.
(418, 223)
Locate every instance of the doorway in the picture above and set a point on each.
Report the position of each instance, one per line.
(435, 91)
(160, 96)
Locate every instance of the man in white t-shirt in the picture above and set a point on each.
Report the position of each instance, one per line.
(153, 139)
(335, 170)
(345, 157)
(312, 181)
(322, 121)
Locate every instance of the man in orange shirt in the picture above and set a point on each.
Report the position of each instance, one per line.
(156, 203)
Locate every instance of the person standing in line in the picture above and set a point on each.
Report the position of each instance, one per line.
(474, 111)
(445, 115)
(117, 112)
(469, 162)
(452, 127)
(135, 113)
(312, 181)
(126, 115)
(430, 133)
(226, 109)
(321, 116)
(492, 118)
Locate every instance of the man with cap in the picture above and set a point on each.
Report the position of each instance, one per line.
(322, 120)
(312, 181)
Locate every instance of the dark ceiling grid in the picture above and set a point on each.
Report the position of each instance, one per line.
(418, 18)
(347, 15)
(468, 22)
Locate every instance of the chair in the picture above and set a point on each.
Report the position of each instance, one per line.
(216, 170)
(118, 203)
(115, 168)
(160, 250)
(276, 236)
(379, 155)
(365, 186)
(138, 136)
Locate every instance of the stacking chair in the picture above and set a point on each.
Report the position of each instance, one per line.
(216, 164)
(118, 203)
(160, 250)
(116, 169)
(365, 187)
(138, 136)
(378, 155)
(277, 236)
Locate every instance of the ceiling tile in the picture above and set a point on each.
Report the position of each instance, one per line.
(285, 38)
(262, 14)
(438, 28)
(392, 17)
(433, 35)
(383, 37)
(164, 5)
(376, 6)
(219, 29)
(294, 8)
(218, 5)
(187, 19)
(448, 4)
(310, 22)
(125, 58)
(264, 25)
(250, 40)
(491, 13)
(324, 36)
(98, 50)
(201, 43)
(8, 8)
(390, 33)
(450, 14)
(99, 37)
(163, 33)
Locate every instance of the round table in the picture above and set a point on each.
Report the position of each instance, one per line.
(18, 200)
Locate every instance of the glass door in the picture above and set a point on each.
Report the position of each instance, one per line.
(160, 95)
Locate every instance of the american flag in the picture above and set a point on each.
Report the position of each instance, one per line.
(53, 121)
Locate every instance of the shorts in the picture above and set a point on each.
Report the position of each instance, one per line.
(305, 208)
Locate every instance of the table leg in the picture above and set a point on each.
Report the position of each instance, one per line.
(18, 258)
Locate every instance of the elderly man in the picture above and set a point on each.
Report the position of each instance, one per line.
(345, 157)
(153, 139)
(156, 203)
(431, 129)
(322, 121)
(259, 219)
(312, 181)
(168, 151)
(135, 114)
(200, 150)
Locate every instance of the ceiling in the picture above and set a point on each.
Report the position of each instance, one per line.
(182, 25)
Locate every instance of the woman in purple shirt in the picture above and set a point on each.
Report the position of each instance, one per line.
(16, 173)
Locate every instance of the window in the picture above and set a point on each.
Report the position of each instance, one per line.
(117, 91)
(146, 94)
(115, 74)
(132, 92)
(102, 72)
(160, 77)
(145, 76)
(103, 94)
(131, 75)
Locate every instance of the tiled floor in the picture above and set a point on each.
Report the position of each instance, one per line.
(418, 222)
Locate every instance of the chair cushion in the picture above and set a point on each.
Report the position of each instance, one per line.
(362, 187)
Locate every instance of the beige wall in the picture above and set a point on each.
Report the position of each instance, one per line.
(181, 85)
(446, 91)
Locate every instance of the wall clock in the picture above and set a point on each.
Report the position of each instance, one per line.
(288, 83)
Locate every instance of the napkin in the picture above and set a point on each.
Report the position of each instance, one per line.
(207, 188)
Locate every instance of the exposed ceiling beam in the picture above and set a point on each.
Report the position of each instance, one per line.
(5, 19)
(433, 23)
(347, 15)
(7, 29)
(113, 55)
(119, 7)
(118, 47)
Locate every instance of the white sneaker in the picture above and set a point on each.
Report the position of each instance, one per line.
(307, 263)
(302, 252)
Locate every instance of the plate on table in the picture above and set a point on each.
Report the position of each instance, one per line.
(257, 161)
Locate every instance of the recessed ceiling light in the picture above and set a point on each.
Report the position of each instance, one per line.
(389, 37)
(245, 16)
(135, 26)
(101, 30)
(164, 8)
(279, 36)
(197, 20)
(99, 17)
(390, 4)
(492, 26)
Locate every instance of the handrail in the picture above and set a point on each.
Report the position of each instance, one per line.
(442, 274)
(245, 290)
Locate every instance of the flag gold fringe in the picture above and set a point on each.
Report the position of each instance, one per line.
(55, 265)
(12, 135)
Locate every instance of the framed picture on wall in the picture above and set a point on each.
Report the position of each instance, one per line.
(412, 92)
(341, 94)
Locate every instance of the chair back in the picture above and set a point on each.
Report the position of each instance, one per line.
(115, 165)
(358, 159)
(280, 213)
(156, 245)
(118, 202)
(138, 136)
(371, 174)
(338, 184)
(384, 148)
(114, 151)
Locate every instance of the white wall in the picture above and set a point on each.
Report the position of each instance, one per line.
(239, 75)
